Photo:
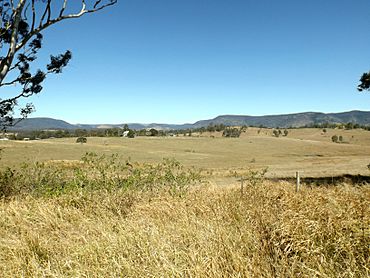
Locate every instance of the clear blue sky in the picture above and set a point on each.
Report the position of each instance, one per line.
(173, 61)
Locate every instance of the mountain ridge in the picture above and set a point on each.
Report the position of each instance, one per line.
(272, 121)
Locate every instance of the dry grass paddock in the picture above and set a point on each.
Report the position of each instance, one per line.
(103, 217)
(270, 231)
(307, 150)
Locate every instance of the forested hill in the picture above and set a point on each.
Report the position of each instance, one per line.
(287, 120)
(290, 120)
(41, 124)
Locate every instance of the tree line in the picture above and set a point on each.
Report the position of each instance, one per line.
(347, 126)
(125, 131)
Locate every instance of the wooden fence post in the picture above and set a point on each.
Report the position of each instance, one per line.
(242, 185)
(298, 184)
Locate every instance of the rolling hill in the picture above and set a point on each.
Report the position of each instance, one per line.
(286, 120)
(41, 124)
(290, 120)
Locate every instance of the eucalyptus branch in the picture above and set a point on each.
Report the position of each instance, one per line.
(63, 8)
(10, 83)
(33, 16)
(21, 26)
(45, 12)
(50, 22)
(27, 53)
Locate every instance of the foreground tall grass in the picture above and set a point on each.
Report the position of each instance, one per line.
(135, 231)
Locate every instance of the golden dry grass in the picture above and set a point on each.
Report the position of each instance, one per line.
(270, 231)
(109, 230)
(307, 150)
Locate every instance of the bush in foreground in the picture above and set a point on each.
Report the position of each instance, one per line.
(95, 173)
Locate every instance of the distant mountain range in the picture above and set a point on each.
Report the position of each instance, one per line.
(287, 120)
(291, 120)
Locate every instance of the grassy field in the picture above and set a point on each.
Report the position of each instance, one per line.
(307, 150)
(270, 231)
(100, 216)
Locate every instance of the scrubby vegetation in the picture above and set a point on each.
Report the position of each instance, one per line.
(95, 173)
(81, 140)
(102, 217)
(337, 139)
(231, 132)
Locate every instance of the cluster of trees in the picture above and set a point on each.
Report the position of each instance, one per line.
(151, 132)
(210, 128)
(232, 132)
(188, 131)
(213, 127)
(41, 134)
(337, 139)
(347, 126)
(111, 132)
(45, 134)
(278, 132)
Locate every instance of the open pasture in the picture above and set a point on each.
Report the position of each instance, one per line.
(159, 221)
(307, 150)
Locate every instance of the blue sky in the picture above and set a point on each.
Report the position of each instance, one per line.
(173, 61)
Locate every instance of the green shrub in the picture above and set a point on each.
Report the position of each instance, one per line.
(231, 132)
(252, 177)
(81, 140)
(97, 173)
(6, 185)
(131, 134)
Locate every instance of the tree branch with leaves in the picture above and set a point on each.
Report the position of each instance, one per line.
(21, 25)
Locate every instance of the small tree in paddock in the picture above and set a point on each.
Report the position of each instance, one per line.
(81, 140)
(334, 138)
(231, 132)
(286, 132)
(153, 132)
(131, 134)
